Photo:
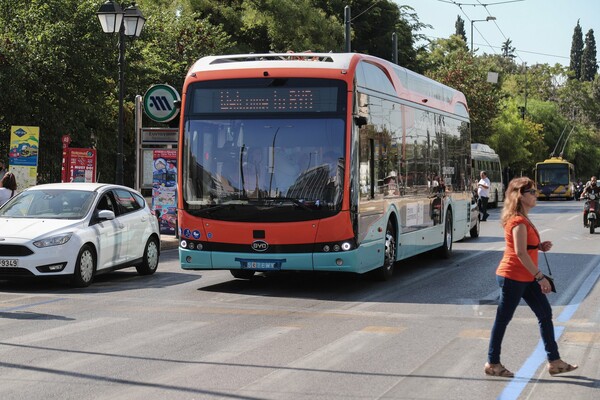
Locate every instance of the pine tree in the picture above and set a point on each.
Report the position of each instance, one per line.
(576, 51)
(459, 25)
(589, 65)
(508, 51)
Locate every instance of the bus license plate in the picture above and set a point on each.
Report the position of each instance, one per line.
(260, 265)
(9, 262)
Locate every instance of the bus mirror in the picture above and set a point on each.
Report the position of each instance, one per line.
(360, 121)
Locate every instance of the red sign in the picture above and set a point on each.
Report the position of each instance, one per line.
(79, 165)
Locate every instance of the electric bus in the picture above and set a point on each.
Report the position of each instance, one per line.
(484, 158)
(555, 178)
(319, 162)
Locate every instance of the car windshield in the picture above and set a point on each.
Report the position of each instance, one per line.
(49, 204)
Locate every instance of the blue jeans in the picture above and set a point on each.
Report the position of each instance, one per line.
(512, 293)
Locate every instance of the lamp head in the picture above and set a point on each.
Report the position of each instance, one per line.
(110, 15)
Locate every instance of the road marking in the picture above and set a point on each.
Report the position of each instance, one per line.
(524, 375)
(383, 329)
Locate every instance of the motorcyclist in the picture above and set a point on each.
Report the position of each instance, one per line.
(590, 187)
(578, 189)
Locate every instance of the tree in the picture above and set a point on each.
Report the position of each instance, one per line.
(459, 27)
(508, 51)
(576, 51)
(63, 73)
(589, 65)
(518, 142)
(264, 26)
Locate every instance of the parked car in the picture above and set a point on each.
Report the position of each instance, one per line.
(77, 230)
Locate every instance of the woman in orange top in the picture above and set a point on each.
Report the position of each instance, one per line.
(519, 277)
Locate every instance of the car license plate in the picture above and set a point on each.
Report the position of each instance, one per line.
(260, 265)
(9, 262)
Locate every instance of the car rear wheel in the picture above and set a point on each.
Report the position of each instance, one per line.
(85, 267)
(150, 261)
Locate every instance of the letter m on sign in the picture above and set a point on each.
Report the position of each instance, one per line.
(160, 102)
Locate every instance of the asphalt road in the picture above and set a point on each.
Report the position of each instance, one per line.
(205, 335)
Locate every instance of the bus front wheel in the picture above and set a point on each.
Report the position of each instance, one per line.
(386, 271)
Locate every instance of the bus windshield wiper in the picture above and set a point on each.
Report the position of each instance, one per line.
(218, 207)
(292, 200)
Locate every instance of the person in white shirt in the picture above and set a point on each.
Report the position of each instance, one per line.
(483, 191)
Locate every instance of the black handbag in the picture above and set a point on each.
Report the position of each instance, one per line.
(549, 276)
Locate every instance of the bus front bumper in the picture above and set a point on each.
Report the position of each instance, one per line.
(346, 261)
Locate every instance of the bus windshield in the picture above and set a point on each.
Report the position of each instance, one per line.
(553, 174)
(265, 165)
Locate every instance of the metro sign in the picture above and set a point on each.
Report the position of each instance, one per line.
(159, 102)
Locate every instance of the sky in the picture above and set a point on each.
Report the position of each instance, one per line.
(540, 30)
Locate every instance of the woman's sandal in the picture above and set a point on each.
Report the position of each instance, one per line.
(560, 367)
(497, 370)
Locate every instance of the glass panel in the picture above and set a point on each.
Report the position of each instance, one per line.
(264, 160)
(50, 204)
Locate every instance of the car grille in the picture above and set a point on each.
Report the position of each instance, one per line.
(14, 250)
(15, 272)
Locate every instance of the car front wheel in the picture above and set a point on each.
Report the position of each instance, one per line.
(150, 261)
(85, 267)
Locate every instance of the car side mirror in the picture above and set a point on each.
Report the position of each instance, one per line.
(106, 215)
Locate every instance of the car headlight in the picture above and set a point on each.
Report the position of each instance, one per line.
(53, 241)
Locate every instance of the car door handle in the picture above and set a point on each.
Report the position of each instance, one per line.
(121, 226)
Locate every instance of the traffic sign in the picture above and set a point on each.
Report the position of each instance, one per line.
(159, 102)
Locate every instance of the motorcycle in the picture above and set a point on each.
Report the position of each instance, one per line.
(593, 211)
(578, 190)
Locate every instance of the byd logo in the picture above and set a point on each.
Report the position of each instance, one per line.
(260, 245)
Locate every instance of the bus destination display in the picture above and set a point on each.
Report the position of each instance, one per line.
(264, 100)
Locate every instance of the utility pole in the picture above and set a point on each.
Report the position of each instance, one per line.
(347, 24)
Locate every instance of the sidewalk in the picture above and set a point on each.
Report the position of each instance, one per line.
(168, 242)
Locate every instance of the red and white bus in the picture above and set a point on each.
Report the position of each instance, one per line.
(319, 162)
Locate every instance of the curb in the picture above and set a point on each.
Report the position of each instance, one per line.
(168, 242)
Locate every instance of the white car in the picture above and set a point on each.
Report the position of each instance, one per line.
(77, 230)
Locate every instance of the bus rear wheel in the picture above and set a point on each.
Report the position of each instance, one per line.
(242, 273)
(386, 271)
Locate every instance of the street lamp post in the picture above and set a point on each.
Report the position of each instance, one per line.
(490, 18)
(127, 23)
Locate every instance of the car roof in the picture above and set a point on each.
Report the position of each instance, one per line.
(88, 187)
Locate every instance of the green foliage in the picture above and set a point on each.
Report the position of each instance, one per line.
(576, 51)
(518, 142)
(452, 65)
(589, 64)
(459, 27)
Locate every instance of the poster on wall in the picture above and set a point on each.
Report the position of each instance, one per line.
(80, 165)
(23, 154)
(164, 189)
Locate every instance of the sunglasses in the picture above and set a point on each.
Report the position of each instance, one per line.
(530, 191)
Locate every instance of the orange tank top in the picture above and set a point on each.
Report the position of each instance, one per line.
(510, 265)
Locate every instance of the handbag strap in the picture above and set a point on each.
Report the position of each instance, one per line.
(547, 263)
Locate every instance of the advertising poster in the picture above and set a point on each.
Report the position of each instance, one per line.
(164, 189)
(23, 154)
(81, 165)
